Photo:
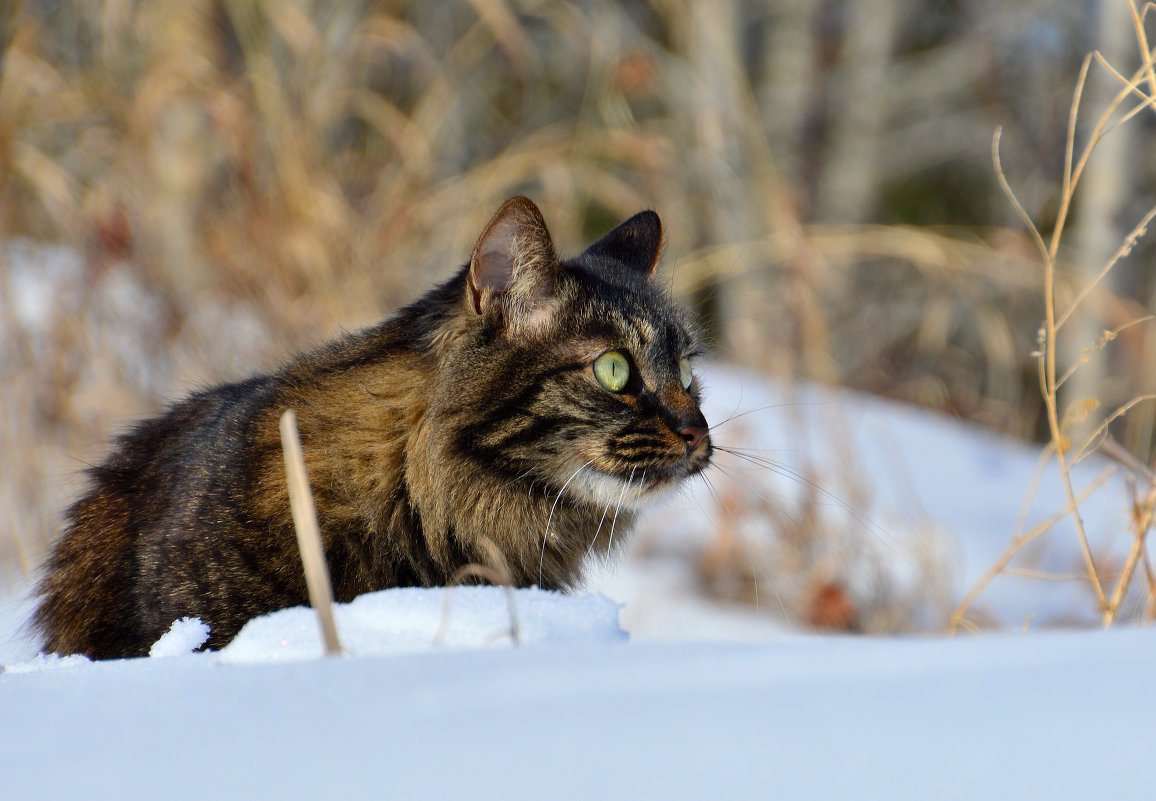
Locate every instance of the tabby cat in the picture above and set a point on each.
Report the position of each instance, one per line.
(528, 403)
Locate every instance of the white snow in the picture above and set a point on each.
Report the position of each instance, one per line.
(913, 509)
(449, 695)
(185, 636)
(1046, 716)
(410, 619)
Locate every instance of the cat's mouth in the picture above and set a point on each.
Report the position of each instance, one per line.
(613, 488)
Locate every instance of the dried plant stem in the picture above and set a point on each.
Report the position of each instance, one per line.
(1087, 448)
(1047, 355)
(1142, 525)
(1132, 86)
(1142, 41)
(1125, 248)
(498, 573)
(1107, 337)
(308, 533)
(1142, 513)
(1117, 452)
(1043, 575)
(1049, 384)
(1150, 579)
(958, 617)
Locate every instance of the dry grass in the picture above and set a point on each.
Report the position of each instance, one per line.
(807, 553)
(1111, 590)
(308, 533)
(238, 179)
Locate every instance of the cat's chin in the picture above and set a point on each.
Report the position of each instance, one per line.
(613, 492)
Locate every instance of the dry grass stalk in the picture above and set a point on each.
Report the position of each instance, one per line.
(1143, 508)
(1109, 604)
(308, 533)
(316, 161)
(497, 573)
(814, 557)
(959, 616)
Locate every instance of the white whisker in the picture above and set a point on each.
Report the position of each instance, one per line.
(550, 519)
(790, 473)
(618, 508)
(750, 556)
(597, 531)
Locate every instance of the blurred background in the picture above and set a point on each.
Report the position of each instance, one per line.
(189, 191)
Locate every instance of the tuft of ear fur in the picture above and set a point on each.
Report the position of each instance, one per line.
(636, 244)
(513, 266)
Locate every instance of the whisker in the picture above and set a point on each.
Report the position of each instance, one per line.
(764, 450)
(516, 479)
(789, 472)
(550, 519)
(750, 558)
(618, 508)
(683, 493)
(597, 531)
(769, 406)
(779, 502)
(794, 475)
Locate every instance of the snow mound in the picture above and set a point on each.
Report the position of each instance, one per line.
(184, 637)
(409, 620)
(46, 662)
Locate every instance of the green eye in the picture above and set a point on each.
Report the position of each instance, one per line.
(612, 370)
(685, 374)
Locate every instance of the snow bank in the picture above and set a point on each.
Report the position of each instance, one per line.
(412, 619)
(397, 621)
(1041, 716)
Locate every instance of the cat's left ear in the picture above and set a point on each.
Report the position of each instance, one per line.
(637, 243)
(514, 266)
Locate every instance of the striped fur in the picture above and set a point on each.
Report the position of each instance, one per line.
(470, 417)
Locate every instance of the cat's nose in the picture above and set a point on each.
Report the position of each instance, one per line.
(693, 436)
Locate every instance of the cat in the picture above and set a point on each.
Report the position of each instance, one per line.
(527, 404)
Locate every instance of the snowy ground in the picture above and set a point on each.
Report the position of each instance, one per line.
(1051, 716)
(706, 699)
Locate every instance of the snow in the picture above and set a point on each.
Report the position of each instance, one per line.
(185, 636)
(914, 509)
(653, 682)
(409, 620)
(1046, 716)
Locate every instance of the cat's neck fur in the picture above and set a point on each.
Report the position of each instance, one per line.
(384, 475)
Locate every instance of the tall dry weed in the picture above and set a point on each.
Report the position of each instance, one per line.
(234, 179)
(1069, 443)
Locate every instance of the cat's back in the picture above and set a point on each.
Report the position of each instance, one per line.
(168, 479)
(189, 514)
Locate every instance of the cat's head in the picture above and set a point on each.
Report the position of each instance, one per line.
(578, 372)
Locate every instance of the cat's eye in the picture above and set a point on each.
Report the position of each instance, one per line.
(685, 373)
(612, 370)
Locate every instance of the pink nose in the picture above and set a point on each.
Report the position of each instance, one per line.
(693, 436)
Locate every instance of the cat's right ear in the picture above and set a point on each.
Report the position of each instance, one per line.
(512, 265)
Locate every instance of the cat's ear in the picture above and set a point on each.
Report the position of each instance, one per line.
(513, 264)
(637, 243)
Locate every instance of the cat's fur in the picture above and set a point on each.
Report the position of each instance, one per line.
(471, 415)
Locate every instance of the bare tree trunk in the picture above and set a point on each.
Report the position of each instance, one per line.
(858, 107)
(718, 102)
(786, 83)
(1099, 227)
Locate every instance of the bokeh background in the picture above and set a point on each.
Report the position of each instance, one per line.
(191, 190)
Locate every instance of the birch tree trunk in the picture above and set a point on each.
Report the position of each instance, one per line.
(786, 83)
(1099, 228)
(718, 96)
(858, 108)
